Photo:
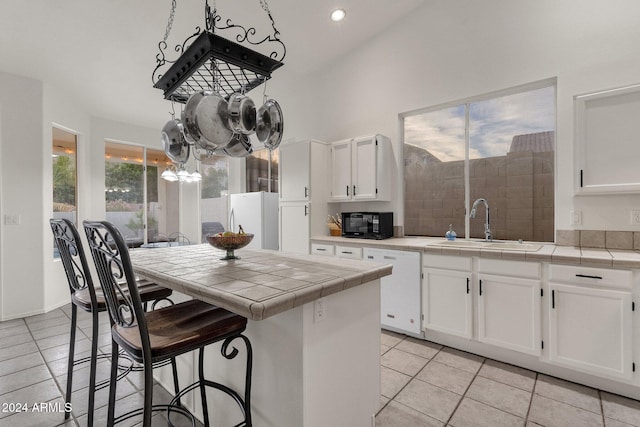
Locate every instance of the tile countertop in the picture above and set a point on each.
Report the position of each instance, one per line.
(551, 253)
(260, 284)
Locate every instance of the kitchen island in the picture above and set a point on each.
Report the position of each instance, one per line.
(314, 324)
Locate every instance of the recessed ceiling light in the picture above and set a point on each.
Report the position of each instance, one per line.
(338, 15)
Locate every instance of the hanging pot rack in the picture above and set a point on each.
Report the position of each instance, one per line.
(209, 61)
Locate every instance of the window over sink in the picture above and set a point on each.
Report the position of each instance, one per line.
(500, 147)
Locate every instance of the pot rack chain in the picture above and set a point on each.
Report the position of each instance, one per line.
(213, 20)
(172, 15)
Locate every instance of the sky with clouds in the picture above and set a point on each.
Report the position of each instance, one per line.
(492, 124)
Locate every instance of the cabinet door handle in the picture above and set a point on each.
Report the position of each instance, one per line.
(320, 249)
(306, 209)
(587, 276)
(346, 252)
(391, 316)
(306, 192)
(370, 256)
(553, 298)
(389, 257)
(354, 190)
(468, 287)
(480, 282)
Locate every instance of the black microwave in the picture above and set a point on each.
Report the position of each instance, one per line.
(367, 225)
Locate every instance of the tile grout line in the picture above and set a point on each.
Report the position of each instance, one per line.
(533, 391)
(465, 392)
(52, 377)
(601, 407)
(411, 377)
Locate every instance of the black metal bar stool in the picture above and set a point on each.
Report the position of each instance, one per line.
(92, 300)
(150, 337)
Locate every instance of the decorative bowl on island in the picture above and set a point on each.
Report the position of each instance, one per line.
(229, 242)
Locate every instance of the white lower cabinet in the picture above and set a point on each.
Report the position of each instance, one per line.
(507, 303)
(400, 292)
(447, 301)
(509, 313)
(447, 296)
(590, 320)
(294, 226)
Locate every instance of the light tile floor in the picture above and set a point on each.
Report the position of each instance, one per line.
(423, 384)
(33, 366)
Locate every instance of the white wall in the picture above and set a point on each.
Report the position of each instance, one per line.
(450, 50)
(22, 274)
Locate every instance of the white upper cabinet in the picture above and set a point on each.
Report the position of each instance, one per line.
(341, 170)
(361, 169)
(607, 141)
(294, 171)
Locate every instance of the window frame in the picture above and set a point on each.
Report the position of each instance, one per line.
(466, 102)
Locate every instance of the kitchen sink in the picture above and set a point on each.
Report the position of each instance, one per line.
(494, 244)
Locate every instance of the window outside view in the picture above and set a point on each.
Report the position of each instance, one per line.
(131, 206)
(64, 149)
(262, 171)
(500, 149)
(214, 194)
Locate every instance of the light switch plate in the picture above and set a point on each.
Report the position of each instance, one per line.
(12, 219)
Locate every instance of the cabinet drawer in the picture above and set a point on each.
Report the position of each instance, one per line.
(622, 279)
(349, 252)
(446, 262)
(322, 249)
(509, 268)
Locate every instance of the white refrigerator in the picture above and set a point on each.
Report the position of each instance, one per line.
(257, 213)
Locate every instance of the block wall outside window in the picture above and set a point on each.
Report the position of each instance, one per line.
(507, 151)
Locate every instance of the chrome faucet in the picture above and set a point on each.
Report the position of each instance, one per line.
(487, 226)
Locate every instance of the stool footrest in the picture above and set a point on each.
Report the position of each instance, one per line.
(169, 408)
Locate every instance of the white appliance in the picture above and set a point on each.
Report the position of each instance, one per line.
(400, 303)
(257, 213)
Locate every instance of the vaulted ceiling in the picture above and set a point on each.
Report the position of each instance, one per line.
(102, 53)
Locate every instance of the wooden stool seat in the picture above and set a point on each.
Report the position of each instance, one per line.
(179, 328)
(148, 292)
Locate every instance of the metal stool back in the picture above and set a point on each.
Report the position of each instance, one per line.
(85, 296)
(79, 279)
(154, 336)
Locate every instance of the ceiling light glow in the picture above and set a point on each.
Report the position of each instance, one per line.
(338, 15)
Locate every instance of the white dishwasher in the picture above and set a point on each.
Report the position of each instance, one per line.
(399, 293)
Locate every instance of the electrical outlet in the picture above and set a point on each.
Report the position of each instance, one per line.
(319, 310)
(576, 217)
(635, 217)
